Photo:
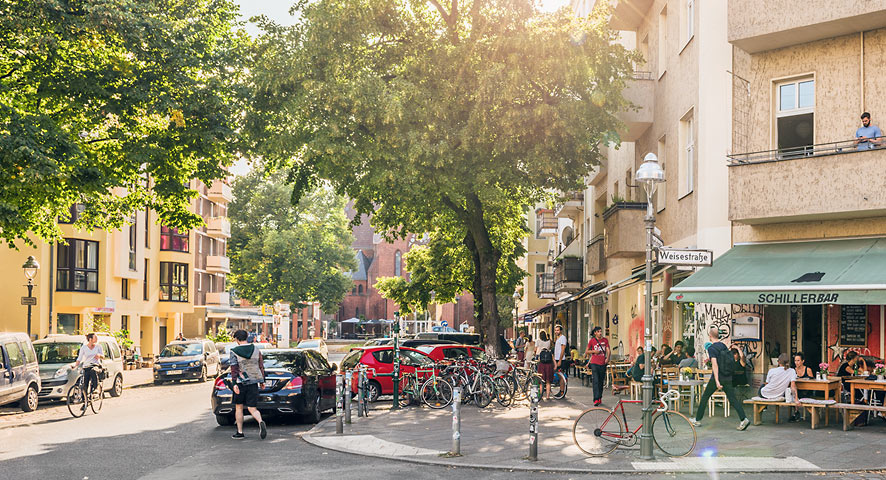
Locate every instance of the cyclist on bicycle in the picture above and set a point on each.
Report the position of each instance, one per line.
(90, 358)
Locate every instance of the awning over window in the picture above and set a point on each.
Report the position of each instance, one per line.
(842, 272)
(572, 298)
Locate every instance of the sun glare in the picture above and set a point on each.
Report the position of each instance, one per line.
(553, 5)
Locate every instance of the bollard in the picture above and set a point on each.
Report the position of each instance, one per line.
(361, 378)
(456, 422)
(347, 389)
(339, 410)
(533, 423)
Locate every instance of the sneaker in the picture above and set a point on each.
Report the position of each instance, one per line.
(238, 436)
(263, 429)
(794, 418)
(694, 422)
(597, 403)
(744, 424)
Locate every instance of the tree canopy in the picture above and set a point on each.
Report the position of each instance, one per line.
(288, 252)
(450, 117)
(96, 96)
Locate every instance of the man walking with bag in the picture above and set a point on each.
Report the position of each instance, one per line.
(598, 350)
(247, 376)
(722, 367)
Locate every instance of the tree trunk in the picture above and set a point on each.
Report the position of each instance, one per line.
(486, 259)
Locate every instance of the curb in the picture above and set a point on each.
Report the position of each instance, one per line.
(309, 438)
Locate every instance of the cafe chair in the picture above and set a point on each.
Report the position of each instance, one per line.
(718, 397)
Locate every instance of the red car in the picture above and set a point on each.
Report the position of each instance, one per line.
(381, 359)
(448, 353)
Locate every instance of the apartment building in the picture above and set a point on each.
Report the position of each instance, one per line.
(145, 278)
(806, 201)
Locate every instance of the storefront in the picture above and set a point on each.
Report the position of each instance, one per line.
(823, 298)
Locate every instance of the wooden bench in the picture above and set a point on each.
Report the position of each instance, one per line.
(812, 408)
(851, 411)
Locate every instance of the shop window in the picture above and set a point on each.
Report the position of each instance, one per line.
(67, 323)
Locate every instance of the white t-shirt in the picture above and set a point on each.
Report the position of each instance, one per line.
(89, 356)
(777, 381)
(558, 348)
(541, 345)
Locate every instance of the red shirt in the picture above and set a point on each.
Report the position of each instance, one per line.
(598, 349)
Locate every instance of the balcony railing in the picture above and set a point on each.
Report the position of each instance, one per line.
(623, 226)
(544, 285)
(545, 222)
(218, 264)
(572, 205)
(595, 258)
(567, 274)
(817, 150)
(220, 192)
(218, 227)
(218, 298)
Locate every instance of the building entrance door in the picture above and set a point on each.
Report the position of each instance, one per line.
(812, 335)
(162, 342)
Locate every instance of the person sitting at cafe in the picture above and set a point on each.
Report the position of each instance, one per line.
(740, 376)
(779, 379)
(803, 372)
(688, 359)
(848, 368)
(674, 356)
(636, 370)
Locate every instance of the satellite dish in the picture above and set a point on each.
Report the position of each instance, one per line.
(567, 235)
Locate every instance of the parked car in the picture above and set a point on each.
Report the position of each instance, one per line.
(57, 354)
(316, 344)
(297, 382)
(19, 371)
(382, 360)
(457, 337)
(414, 343)
(376, 342)
(187, 360)
(224, 354)
(448, 353)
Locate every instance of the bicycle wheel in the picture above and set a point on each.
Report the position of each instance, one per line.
(75, 401)
(597, 431)
(98, 396)
(485, 392)
(558, 388)
(673, 434)
(436, 393)
(503, 392)
(406, 393)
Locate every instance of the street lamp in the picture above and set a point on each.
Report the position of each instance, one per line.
(649, 175)
(30, 268)
(517, 298)
(427, 325)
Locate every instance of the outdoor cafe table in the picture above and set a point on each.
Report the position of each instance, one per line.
(693, 386)
(860, 383)
(832, 384)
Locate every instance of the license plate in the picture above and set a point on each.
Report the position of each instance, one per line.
(174, 372)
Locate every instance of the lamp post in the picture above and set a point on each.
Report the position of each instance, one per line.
(30, 268)
(457, 325)
(649, 175)
(517, 298)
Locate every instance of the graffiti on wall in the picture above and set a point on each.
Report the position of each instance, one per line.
(718, 315)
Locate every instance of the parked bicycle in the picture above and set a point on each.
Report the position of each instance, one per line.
(598, 431)
(476, 385)
(436, 392)
(79, 399)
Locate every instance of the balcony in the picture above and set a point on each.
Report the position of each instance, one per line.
(816, 20)
(595, 258)
(218, 264)
(218, 298)
(544, 285)
(545, 222)
(572, 207)
(629, 14)
(220, 192)
(567, 274)
(218, 227)
(818, 182)
(623, 230)
(640, 91)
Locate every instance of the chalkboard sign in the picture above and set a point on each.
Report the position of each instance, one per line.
(853, 325)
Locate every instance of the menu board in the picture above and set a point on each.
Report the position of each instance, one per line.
(853, 325)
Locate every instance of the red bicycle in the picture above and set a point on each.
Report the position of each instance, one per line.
(598, 431)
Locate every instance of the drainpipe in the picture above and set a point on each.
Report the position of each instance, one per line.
(51, 276)
(861, 67)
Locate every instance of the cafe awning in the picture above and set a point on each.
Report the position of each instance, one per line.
(841, 272)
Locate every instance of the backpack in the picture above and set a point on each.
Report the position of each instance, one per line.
(726, 363)
(545, 356)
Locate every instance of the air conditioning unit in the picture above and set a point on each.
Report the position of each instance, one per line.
(746, 327)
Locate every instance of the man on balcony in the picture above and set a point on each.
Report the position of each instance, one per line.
(868, 136)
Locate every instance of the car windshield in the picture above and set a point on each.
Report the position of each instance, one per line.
(57, 352)
(182, 350)
(287, 360)
(415, 358)
(480, 355)
(351, 360)
(309, 344)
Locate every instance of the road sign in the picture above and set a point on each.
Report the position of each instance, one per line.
(444, 323)
(29, 300)
(686, 257)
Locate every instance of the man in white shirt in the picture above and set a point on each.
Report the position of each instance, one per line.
(779, 379)
(90, 355)
(559, 354)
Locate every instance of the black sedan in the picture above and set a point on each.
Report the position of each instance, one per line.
(297, 382)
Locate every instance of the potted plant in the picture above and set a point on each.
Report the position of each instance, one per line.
(822, 371)
(685, 373)
(880, 372)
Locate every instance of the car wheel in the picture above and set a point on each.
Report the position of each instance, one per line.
(224, 420)
(202, 374)
(158, 382)
(313, 416)
(373, 391)
(117, 389)
(29, 402)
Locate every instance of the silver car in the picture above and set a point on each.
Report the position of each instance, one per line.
(57, 353)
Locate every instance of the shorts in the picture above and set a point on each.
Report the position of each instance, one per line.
(546, 370)
(248, 395)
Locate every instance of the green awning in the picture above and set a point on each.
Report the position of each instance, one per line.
(842, 272)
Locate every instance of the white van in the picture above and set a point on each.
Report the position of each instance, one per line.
(56, 353)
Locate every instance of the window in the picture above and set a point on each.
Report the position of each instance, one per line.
(384, 356)
(14, 354)
(115, 351)
(354, 291)
(145, 289)
(687, 155)
(133, 238)
(662, 41)
(661, 193)
(77, 266)
(357, 312)
(124, 322)
(172, 239)
(75, 211)
(795, 114)
(539, 269)
(28, 350)
(124, 289)
(147, 228)
(398, 264)
(687, 21)
(68, 323)
(360, 289)
(173, 282)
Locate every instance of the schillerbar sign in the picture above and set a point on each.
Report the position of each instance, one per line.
(797, 298)
(685, 257)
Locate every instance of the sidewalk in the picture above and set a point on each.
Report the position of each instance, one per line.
(138, 378)
(498, 438)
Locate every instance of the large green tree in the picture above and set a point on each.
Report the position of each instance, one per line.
(452, 114)
(291, 252)
(98, 95)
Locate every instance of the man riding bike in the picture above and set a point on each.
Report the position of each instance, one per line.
(90, 358)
